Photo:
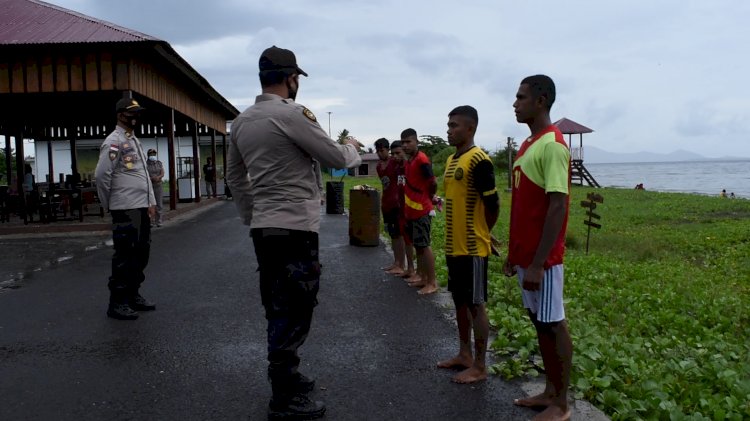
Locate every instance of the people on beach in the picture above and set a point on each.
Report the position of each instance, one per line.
(539, 213)
(471, 210)
(639, 186)
(389, 170)
(275, 143)
(124, 187)
(731, 195)
(419, 191)
(723, 193)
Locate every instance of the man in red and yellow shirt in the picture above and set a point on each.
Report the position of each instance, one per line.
(419, 191)
(538, 220)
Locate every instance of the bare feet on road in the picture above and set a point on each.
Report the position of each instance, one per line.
(470, 375)
(428, 289)
(539, 401)
(553, 413)
(456, 362)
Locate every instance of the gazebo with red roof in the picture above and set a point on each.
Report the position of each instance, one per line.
(61, 73)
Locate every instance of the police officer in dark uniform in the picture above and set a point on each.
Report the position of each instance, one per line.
(273, 158)
(124, 187)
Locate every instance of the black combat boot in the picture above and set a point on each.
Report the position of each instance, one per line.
(296, 407)
(139, 303)
(303, 384)
(121, 312)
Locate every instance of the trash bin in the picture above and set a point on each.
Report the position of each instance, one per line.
(335, 197)
(364, 217)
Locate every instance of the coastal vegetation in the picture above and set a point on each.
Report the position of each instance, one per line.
(658, 308)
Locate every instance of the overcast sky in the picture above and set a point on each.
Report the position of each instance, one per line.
(646, 75)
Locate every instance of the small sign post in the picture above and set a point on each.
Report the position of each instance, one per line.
(590, 204)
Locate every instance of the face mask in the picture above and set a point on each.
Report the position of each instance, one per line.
(152, 158)
(292, 92)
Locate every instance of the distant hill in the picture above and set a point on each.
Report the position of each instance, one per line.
(595, 155)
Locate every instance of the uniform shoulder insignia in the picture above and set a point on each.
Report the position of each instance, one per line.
(309, 114)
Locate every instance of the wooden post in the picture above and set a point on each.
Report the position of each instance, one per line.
(73, 136)
(224, 154)
(196, 164)
(50, 166)
(171, 156)
(20, 174)
(213, 157)
(8, 160)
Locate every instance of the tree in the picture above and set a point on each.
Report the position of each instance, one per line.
(3, 167)
(432, 145)
(503, 158)
(342, 136)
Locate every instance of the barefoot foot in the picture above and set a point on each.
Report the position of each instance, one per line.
(553, 413)
(394, 270)
(539, 401)
(428, 289)
(470, 375)
(457, 362)
(387, 268)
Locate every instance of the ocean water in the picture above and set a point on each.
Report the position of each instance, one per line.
(701, 177)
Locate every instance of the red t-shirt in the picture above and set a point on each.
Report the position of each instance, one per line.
(419, 179)
(541, 167)
(388, 171)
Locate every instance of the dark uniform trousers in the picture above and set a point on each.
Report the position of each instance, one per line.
(289, 281)
(131, 235)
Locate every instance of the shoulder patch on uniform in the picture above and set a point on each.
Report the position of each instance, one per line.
(112, 155)
(309, 114)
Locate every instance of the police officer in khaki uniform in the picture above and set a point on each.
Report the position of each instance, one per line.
(271, 168)
(124, 187)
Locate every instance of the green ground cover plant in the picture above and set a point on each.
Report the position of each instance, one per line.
(658, 309)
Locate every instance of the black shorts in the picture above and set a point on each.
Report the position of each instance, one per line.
(418, 231)
(467, 279)
(391, 222)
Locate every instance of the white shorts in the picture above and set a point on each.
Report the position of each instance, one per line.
(547, 302)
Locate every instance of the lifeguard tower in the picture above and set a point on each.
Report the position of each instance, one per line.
(578, 172)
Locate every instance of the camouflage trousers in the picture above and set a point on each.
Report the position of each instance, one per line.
(131, 237)
(289, 281)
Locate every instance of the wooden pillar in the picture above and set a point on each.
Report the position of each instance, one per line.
(213, 156)
(196, 164)
(20, 174)
(224, 154)
(8, 160)
(171, 156)
(50, 166)
(73, 137)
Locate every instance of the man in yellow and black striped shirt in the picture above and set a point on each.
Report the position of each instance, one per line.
(471, 210)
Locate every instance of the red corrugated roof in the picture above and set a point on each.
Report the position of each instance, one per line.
(37, 22)
(571, 127)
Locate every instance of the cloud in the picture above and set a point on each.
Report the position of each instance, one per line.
(644, 75)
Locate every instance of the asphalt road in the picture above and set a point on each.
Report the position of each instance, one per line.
(201, 354)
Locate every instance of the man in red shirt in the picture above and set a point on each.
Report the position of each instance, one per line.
(389, 170)
(419, 191)
(538, 220)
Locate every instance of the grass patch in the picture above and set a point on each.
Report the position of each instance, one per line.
(658, 309)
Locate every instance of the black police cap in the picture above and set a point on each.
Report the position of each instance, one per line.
(275, 58)
(128, 104)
